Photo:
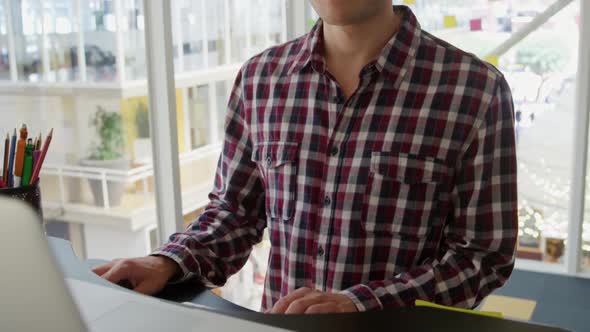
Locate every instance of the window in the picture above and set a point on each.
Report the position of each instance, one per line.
(199, 114)
(132, 33)
(61, 34)
(27, 27)
(190, 35)
(217, 40)
(98, 23)
(97, 179)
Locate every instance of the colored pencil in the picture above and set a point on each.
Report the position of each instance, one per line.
(9, 182)
(6, 152)
(19, 160)
(37, 170)
(28, 163)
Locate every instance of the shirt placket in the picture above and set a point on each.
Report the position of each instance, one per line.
(335, 103)
(343, 113)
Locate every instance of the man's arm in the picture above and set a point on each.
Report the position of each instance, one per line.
(477, 253)
(218, 244)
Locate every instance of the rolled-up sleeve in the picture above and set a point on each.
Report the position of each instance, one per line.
(218, 244)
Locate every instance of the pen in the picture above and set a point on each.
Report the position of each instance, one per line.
(37, 169)
(19, 160)
(5, 167)
(9, 182)
(28, 163)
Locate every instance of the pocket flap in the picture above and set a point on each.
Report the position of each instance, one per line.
(275, 154)
(408, 168)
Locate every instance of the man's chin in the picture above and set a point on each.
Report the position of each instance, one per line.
(342, 21)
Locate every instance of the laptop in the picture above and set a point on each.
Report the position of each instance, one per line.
(35, 296)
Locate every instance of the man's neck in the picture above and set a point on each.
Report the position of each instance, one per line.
(360, 43)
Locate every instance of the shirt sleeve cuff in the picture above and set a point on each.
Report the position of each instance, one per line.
(183, 257)
(363, 297)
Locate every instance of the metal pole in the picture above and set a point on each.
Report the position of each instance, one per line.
(248, 32)
(44, 42)
(582, 118)
(81, 51)
(179, 35)
(284, 20)
(162, 110)
(120, 46)
(205, 34)
(227, 31)
(213, 110)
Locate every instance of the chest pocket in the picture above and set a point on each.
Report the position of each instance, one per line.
(401, 194)
(278, 163)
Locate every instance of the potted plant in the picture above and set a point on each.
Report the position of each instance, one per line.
(108, 153)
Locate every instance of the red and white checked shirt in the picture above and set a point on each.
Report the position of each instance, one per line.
(405, 191)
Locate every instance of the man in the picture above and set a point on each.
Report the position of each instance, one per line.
(382, 161)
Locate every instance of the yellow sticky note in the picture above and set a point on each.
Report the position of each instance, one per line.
(494, 60)
(409, 2)
(510, 307)
(450, 21)
(420, 303)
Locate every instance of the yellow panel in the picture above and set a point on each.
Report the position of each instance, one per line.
(128, 113)
(511, 307)
(409, 2)
(494, 60)
(495, 314)
(450, 21)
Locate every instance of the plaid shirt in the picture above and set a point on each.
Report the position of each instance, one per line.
(405, 191)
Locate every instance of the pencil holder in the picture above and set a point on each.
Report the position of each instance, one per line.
(30, 194)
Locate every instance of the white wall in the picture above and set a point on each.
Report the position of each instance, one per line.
(104, 242)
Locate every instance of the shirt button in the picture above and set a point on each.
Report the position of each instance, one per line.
(327, 201)
(320, 251)
(268, 161)
(334, 151)
(337, 100)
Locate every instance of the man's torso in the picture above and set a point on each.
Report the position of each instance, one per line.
(360, 190)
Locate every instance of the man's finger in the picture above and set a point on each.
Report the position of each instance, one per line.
(103, 268)
(147, 288)
(283, 303)
(300, 305)
(117, 273)
(322, 308)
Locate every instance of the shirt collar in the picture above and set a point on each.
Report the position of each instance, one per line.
(393, 60)
(311, 47)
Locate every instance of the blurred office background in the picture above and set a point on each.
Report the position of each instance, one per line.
(80, 67)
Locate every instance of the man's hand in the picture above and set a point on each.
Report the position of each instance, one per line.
(308, 301)
(147, 275)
